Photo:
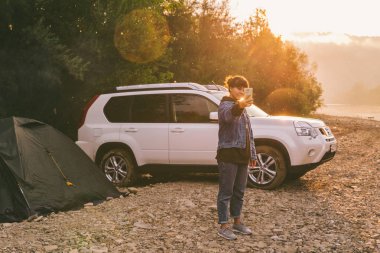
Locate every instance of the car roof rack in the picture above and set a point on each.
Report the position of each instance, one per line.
(162, 86)
(215, 87)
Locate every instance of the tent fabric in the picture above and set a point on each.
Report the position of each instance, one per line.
(42, 170)
(13, 206)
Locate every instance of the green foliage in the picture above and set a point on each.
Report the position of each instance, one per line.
(55, 55)
(42, 36)
(285, 101)
(202, 41)
(142, 36)
(272, 64)
(33, 63)
(207, 46)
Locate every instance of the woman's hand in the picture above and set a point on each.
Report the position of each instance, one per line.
(245, 101)
(252, 163)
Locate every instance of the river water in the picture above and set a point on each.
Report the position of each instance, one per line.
(360, 111)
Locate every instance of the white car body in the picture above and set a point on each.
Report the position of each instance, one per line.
(174, 143)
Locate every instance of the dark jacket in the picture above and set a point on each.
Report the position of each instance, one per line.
(232, 127)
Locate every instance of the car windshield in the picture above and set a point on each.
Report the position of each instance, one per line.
(253, 110)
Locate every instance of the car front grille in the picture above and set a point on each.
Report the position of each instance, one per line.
(325, 131)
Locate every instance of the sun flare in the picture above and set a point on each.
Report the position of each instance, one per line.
(290, 18)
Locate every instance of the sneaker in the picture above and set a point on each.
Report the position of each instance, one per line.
(227, 233)
(240, 228)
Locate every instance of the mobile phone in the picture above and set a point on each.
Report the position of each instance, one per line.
(248, 92)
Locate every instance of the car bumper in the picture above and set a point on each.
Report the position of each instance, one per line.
(87, 148)
(299, 169)
(307, 150)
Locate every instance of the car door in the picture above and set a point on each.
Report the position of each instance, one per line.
(193, 138)
(146, 130)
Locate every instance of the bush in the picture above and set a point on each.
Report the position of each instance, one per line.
(285, 101)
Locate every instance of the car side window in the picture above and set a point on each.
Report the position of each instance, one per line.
(149, 109)
(189, 108)
(117, 109)
(137, 109)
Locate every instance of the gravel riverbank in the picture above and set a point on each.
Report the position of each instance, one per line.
(335, 208)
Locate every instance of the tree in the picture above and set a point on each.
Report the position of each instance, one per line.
(272, 64)
(55, 55)
(202, 41)
(32, 63)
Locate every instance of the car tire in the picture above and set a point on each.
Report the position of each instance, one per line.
(119, 167)
(270, 170)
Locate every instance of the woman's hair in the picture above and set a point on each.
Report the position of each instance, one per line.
(236, 81)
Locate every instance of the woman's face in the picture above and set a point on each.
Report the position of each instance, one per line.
(237, 92)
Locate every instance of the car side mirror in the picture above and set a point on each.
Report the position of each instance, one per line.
(213, 116)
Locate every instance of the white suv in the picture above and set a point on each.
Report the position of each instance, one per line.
(152, 126)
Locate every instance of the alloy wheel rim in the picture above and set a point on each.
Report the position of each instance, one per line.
(265, 170)
(115, 169)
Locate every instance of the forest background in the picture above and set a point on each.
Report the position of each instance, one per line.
(55, 55)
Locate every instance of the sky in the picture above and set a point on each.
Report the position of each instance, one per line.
(341, 36)
(339, 17)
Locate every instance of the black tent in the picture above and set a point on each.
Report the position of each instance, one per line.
(42, 170)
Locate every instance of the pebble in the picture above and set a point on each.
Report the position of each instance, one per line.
(98, 249)
(249, 244)
(261, 244)
(50, 248)
(291, 249)
(278, 231)
(188, 203)
(32, 217)
(119, 241)
(39, 218)
(142, 225)
(132, 190)
(212, 207)
(203, 229)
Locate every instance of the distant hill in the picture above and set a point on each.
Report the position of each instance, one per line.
(349, 71)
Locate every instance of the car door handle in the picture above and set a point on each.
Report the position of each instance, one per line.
(177, 130)
(132, 129)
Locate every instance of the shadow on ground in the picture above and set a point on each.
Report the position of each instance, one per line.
(148, 179)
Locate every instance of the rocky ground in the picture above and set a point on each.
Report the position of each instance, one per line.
(335, 208)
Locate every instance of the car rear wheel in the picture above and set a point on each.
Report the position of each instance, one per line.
(270, 170)
(118, 166)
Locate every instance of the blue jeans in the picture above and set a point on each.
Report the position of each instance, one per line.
(232, 184)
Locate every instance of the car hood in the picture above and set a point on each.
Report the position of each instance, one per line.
(312, 122)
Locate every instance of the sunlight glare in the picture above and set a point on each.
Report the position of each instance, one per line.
(340, 39)
(290, 17)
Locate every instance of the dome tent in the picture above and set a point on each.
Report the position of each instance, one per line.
(42, 170)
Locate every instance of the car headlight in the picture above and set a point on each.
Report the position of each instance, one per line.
(305, 129)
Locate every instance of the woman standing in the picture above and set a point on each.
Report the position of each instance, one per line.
(236, 149)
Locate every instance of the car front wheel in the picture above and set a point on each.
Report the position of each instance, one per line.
(118, 166)
(270, 170)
